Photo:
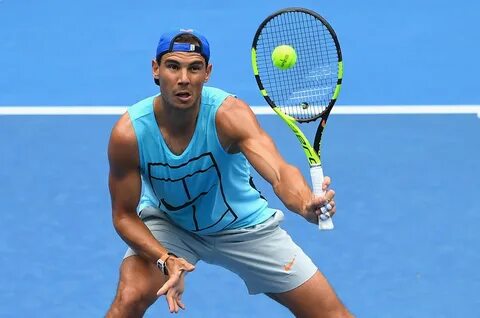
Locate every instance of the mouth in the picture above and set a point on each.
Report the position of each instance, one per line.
(184, 96)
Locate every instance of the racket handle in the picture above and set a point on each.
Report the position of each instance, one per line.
(316, 172)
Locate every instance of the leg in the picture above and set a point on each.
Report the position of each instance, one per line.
(276, 266)
(140, 280)
(314, 298)
(137, 288)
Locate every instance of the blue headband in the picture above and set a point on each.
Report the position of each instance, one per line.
(167, 44)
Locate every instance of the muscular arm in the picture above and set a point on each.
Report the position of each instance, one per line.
(239, 131)
(125, 189)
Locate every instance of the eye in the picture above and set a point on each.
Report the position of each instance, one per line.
(172, 66)
(196, 68)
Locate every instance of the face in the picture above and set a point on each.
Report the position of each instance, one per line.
(181, 77)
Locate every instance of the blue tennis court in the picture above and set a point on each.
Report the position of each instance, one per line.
(406, 238)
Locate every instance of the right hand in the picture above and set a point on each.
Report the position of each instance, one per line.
(174, 286)
(313, 208)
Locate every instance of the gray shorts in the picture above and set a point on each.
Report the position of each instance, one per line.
(264, 255)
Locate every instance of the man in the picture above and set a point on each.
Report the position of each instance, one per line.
(181, 159)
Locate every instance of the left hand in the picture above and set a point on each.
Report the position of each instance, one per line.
(175, 285)
(313, 208)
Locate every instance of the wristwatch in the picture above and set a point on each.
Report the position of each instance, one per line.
(162, 262)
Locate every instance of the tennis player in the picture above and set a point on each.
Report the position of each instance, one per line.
(181, 192)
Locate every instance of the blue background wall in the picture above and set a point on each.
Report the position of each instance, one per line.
(98, 53)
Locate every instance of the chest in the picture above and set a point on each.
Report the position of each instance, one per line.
(177, 143)
(184, 182)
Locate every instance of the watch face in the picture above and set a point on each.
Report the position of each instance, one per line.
(161, 266)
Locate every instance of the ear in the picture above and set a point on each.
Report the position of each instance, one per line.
(155, 69)
(208, 71)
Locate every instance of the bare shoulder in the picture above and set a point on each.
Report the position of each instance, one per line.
(235, 114)
(235, 122)
(122, 146)
(233, 105)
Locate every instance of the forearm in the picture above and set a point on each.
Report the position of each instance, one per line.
(136, 234)
(292, 189)
(239, 131)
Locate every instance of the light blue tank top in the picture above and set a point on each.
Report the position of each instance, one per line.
(205, 189)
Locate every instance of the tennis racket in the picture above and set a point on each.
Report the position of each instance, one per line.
(306, 91)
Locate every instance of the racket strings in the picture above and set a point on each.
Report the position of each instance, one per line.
(305, 90)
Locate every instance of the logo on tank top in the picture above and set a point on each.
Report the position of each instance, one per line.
(191, 193)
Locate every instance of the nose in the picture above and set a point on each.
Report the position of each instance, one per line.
(183, 78)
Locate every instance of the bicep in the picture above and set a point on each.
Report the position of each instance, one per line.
(241, 132)
(125, 189)
(124, 175)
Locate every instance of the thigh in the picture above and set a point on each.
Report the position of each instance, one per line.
(139, 280)
(265, 257)
(175, 239)
(314, 298)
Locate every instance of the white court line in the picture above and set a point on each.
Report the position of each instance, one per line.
(259, 110)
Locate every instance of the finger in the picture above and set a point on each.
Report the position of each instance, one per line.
(326, 183)
(323, 199)
(332, 213)
(168, 284)
(326, 207)
(324, 216)
(332, 204)
(186, 266)
(317, 202)
(163, 289)
(334, 208)
(180, 303)
(175, 303)
(329, 195)
(170, 302)
(323, 210)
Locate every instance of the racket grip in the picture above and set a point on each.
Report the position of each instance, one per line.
(316, 172)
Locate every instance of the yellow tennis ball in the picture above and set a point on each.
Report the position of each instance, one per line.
(284, 57)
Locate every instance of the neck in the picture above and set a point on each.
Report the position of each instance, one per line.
(174, 119)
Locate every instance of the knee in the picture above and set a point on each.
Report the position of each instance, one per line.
(134, 300)
(340, 312)
(334, 309)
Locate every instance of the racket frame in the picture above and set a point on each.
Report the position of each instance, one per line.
(312, 153)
